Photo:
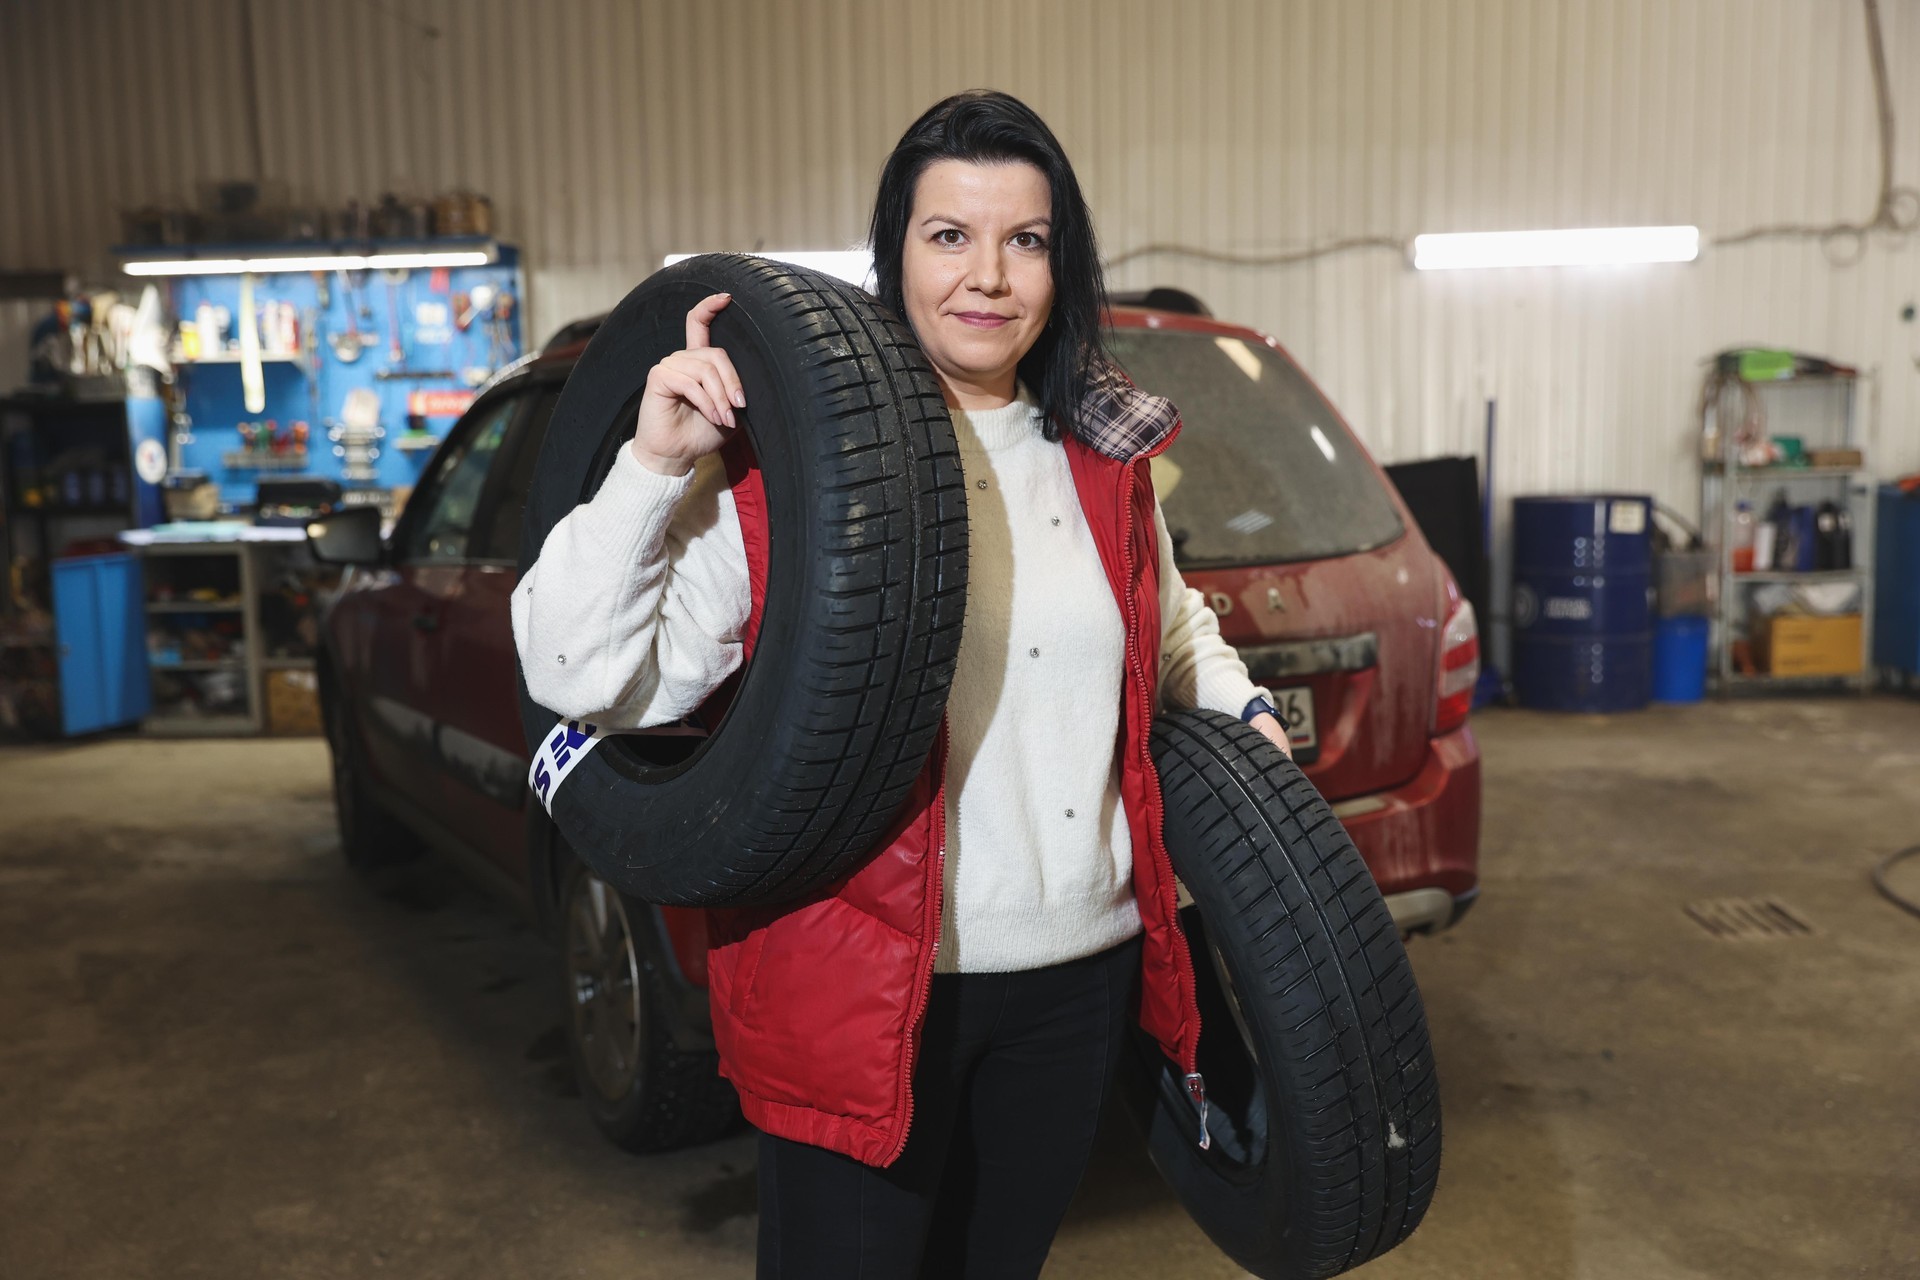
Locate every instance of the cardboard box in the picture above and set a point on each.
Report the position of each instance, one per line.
(293, 702)
(1812, 646)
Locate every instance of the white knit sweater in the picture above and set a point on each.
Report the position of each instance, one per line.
(644, 591)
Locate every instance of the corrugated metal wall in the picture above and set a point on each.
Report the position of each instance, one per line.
(611, 133)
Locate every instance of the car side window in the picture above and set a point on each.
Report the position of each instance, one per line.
(453, 490)
(510, 508)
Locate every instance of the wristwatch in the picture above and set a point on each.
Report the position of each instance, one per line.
(1257, 706)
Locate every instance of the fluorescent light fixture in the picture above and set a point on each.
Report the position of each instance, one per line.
(450, 258)
(324, 262)
(1589, 247)
(855, 266)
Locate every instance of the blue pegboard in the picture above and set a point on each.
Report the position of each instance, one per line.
(214, 398)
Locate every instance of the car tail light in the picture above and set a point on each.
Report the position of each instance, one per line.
(1459, 668)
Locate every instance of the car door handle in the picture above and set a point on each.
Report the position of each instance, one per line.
(426, 622)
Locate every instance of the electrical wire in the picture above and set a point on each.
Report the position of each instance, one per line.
(425, 29)
(1885, 886)
(1232, 259)
(1896, 210)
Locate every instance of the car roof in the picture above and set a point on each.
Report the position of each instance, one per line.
(1128, 317)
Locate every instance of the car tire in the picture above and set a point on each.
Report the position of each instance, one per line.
(642, 1093)
(834, 716)
(371, 838)
(1322, 1106)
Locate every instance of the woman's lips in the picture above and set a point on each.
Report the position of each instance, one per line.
(981, 319)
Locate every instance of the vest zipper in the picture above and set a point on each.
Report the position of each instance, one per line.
(930, 922)
(1169, 896)
(1197, 1090)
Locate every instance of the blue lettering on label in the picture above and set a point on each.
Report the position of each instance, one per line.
(559, 755)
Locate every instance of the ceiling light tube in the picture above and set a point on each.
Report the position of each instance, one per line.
(1586, 247)
(450, 258)
(320, 262)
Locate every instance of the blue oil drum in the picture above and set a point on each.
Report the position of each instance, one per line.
(1582, 606)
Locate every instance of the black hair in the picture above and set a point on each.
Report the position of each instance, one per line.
(986, 126)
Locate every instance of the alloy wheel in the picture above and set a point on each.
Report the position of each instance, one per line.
(603, 979)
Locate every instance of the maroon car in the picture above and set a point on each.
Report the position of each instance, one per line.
(1304, 549)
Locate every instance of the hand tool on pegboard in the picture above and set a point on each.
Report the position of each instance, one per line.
(310, 355)
(396, 354)
(500, 331)
(346, 346)
(253, 385)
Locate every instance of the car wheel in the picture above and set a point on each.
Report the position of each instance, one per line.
(642, 1093)
(1322, 1110)
(370, 837)
(847, 443)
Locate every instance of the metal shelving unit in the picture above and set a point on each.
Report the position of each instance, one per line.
(1725, 482)
(251, 718)
(66, 475)
(256, 559)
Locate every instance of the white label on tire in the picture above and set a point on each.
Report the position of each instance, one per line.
(566, 745)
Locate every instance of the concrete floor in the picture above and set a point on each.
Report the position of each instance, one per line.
(224, 1055)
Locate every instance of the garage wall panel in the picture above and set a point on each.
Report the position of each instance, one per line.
(610, 133)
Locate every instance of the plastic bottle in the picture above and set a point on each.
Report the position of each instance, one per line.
(1773, 540)
(1766, 540)
(1743, 523)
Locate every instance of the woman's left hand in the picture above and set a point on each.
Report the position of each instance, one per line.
(1275, 732)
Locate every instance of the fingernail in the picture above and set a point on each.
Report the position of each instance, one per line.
(739, 399)
(730, 421)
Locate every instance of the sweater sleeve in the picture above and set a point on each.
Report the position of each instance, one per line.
(634, 609)
(1197, 668)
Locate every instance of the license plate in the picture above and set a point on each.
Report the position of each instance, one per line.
(1296, 712)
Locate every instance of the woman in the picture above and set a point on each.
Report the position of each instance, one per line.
(937, 1117)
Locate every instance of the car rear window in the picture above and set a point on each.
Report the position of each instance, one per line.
(1262, 471)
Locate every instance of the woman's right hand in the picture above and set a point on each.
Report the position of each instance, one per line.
(687, 410)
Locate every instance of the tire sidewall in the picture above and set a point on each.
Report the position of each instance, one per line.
(1323, 985)
(581, 440)
(846, 588)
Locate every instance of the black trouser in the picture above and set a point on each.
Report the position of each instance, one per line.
(1013, 1071)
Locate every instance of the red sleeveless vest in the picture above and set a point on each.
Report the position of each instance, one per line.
(817, 1004)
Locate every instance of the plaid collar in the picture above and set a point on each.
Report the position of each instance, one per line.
(1122, 422)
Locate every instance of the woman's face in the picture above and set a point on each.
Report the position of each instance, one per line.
(975, 273)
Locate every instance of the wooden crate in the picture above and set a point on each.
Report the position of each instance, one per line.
(293, 702)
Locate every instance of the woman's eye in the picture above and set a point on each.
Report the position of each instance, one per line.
(1033, 240)
(941, 236)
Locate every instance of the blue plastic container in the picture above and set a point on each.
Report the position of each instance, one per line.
(1582, 602)
(100, 621)
(1679, 659)
(1896, 582)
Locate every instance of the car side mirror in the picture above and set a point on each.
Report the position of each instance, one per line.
(347, 537)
